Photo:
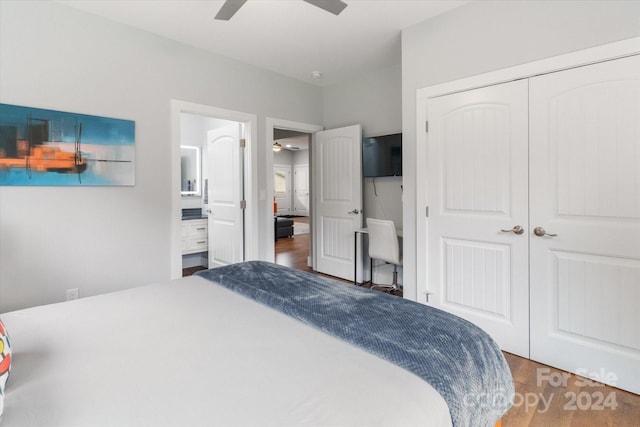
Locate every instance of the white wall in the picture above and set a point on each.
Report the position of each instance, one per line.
(300, 157)
(375, 102)
(100, 239)
(282, 157)
(383, 198)
(490, 35)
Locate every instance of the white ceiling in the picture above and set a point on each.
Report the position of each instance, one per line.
(295, 143)
(290, 37)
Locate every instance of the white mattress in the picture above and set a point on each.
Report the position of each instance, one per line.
(191, 353)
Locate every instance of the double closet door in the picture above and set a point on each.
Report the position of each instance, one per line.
(534, 225)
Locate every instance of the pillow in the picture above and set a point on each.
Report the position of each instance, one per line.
(5, 363)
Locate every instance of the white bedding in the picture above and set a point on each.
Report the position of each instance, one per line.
(191, 353)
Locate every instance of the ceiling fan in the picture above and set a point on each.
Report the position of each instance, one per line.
(230, 7)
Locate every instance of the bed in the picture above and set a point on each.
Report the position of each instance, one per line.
(250, 344)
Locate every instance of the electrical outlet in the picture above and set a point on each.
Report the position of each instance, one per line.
(72, 294)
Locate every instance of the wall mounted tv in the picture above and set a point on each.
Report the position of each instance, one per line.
(382, 156)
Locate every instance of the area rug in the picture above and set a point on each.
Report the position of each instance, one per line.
(300, 228)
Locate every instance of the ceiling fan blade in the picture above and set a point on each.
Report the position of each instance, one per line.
(229, 8)
(333, 6)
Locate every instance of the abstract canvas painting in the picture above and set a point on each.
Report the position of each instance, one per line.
(41, 147)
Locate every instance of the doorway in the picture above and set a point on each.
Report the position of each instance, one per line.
(195, 136)
(292, 234)
(336, 207)
(291, 195)
(298, 248)
(208, 129)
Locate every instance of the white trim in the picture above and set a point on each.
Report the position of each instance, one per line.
(251, 177)
(579, 58)
(271, 124)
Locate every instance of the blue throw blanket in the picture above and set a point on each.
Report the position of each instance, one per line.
(456, 357)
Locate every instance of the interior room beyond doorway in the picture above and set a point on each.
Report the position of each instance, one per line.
(291, 198)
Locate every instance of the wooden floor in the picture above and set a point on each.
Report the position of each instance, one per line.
(545, 396)
(293, 252)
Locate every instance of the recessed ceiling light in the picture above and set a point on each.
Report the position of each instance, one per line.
(316, 74)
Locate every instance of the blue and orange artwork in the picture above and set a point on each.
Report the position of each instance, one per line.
(41, 147)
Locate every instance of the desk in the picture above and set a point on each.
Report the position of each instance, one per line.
(356, 261)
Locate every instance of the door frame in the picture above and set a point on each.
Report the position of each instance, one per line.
(267, 221)
(251, 224)
(601, 53)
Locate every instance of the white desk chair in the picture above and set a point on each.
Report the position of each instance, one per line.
(383, 245)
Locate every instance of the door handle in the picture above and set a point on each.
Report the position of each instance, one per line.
(354, 212)
(209, 211)
(541, 232)
(517, 229)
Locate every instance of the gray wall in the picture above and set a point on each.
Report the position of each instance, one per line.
(485, 36)
(100, 239)
(375, 102)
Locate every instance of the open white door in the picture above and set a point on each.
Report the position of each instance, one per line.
(337, 192)
(226, 214)
(478, 193)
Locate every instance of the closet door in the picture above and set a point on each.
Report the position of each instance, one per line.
(585, 193)
(477, 193)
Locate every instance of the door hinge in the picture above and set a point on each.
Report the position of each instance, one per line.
(426, 126)
(427, 211)
(243, 204)
(243, 143)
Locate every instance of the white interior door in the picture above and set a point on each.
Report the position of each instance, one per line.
(282, 188)
(337, 191)
(226, 215)
(301, 190)
(585, 192)
(477, 192)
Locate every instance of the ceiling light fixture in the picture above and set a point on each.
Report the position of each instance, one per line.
(276, 146)
(316, 74)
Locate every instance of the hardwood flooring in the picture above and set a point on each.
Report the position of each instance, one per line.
(545, 396)
(293, 251)
(549, 397)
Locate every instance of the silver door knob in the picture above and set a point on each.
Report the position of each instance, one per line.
(354, 212)
(541, 232)
(517, 229)
(209, 211)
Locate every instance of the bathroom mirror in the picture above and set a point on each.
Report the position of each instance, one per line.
(189, 170)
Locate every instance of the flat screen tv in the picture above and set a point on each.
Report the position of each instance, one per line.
(382, 156)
